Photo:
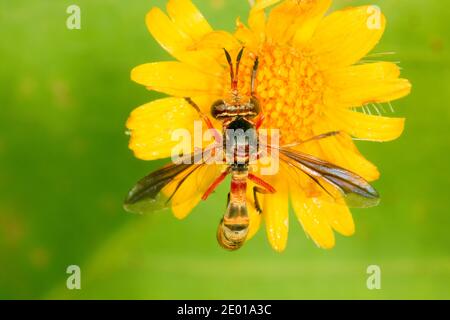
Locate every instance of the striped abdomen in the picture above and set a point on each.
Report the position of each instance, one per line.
(233, 227)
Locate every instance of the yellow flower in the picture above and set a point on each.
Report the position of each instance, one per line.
(311, 80)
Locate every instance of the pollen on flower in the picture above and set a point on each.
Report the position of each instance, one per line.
(290, 89)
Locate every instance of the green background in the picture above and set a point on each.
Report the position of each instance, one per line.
(65, 169)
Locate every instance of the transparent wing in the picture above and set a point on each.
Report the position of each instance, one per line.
(318, 178)
(192, 186)
(146, 195)
(173, 184)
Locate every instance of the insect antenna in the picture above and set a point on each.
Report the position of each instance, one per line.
(230, 63)
(233, 74)
(238, 63)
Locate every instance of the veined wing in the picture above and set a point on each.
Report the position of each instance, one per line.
(336, 182)
(174, 184)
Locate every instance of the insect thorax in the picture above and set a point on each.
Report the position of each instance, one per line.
(240, 141)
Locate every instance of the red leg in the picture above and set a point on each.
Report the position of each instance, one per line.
(261, 183)
(215, 184)
(259, 121)
(205, 119)
(210, 126)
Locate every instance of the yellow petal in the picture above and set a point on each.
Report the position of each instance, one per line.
(305, 25)
(177, 79)
(218, 40)
(246, 36)
(341, 150)
(313, 218)
(257, 18)
(182, 210)
(192, 189)
(371, 92)
(355, 160)
(362, 84)
(276, 213)
(167, 33)
(349, 76)
(301, 182)
(374, 128)
(188, 18)
(257, 21)
(280, 19)
(184, 46)
(340, 218)
(255, 216)
(198, 59)
(262, 4)
(345, 36)
(292, 16)
(212, 45)
(182, 207)
(152, 125)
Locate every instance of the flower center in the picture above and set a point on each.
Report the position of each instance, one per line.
(290, 88)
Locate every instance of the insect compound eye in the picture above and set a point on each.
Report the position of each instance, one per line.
(254, 106)
(217, 108)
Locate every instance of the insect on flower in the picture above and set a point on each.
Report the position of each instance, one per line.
(240, 141)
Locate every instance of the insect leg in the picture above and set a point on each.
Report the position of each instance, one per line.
(259, 121)
(254, 73)
(261, 117)
(215, 184)
(261, 183)
(205, 119)
(262, 191)
(315, 138)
